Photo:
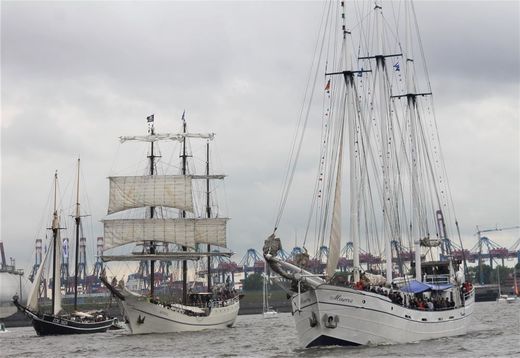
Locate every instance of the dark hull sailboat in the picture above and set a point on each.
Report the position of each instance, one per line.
(48, 325)
(58, 322)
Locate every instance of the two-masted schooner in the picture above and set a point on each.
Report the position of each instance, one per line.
(58, 321)
(379, 140)
(168, 217)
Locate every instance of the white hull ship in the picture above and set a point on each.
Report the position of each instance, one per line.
(267, 310)
(270, 313)
(506, 299)
(344, 316)
(144, 316)
(379, 136)
(12, 281)
(327, 314)
(193, 311)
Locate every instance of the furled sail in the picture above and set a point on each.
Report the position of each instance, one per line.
(181, 255)
(127, 192)
(167, 136)
(57, 272)
(186, 232)
(335, 231)
(335, 235)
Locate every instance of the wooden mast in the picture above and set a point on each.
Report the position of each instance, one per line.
(152, 208)
(77, 218)
(208, 213)
(184, 248)
(55, 227)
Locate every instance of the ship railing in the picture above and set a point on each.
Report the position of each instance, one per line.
(225, 302)
(172, 307)
(437, 279)
(301, 277)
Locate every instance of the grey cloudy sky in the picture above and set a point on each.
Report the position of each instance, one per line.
(77, 75)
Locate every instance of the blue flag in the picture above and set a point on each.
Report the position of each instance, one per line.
(396, 67)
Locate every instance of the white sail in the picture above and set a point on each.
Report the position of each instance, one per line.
(32, 299)
(186, 232)
(210, 231)
(127, 192)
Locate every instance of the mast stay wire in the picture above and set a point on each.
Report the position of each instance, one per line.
(299, 135)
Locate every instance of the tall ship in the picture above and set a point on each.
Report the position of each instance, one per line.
(379, 153)
(54, 320)
(159, 213)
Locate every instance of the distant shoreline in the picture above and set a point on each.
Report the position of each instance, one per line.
(250, 304)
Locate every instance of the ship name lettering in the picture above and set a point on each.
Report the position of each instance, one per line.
(342, 299)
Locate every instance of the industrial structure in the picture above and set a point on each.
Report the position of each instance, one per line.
(485, 251)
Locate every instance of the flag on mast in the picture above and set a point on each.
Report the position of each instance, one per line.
(183, 113)
(149, 119)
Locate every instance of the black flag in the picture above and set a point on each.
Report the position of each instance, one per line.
(149, 118)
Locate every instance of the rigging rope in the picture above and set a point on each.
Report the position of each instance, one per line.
(302, 122)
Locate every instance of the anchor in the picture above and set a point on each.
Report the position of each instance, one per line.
(140, 320)
(313, 320)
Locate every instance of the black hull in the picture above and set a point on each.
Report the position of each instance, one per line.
(53, 325)
(486, 293)
(330, 341)
(48, 325)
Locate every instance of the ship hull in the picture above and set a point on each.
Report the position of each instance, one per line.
(54, 325)
(144, 317)
(49, 325)
(332, 315)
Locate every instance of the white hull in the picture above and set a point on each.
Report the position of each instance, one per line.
(270, 314)
(144, 317)
(332, 315)
(506, 299)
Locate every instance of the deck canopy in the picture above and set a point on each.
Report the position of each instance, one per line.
(415, 287)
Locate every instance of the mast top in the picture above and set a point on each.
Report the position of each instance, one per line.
(154, 137)
(77, 194)
(167, 136)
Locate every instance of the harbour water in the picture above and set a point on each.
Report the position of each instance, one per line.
(495, 331)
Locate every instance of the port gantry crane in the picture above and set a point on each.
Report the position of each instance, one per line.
(494, 250)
